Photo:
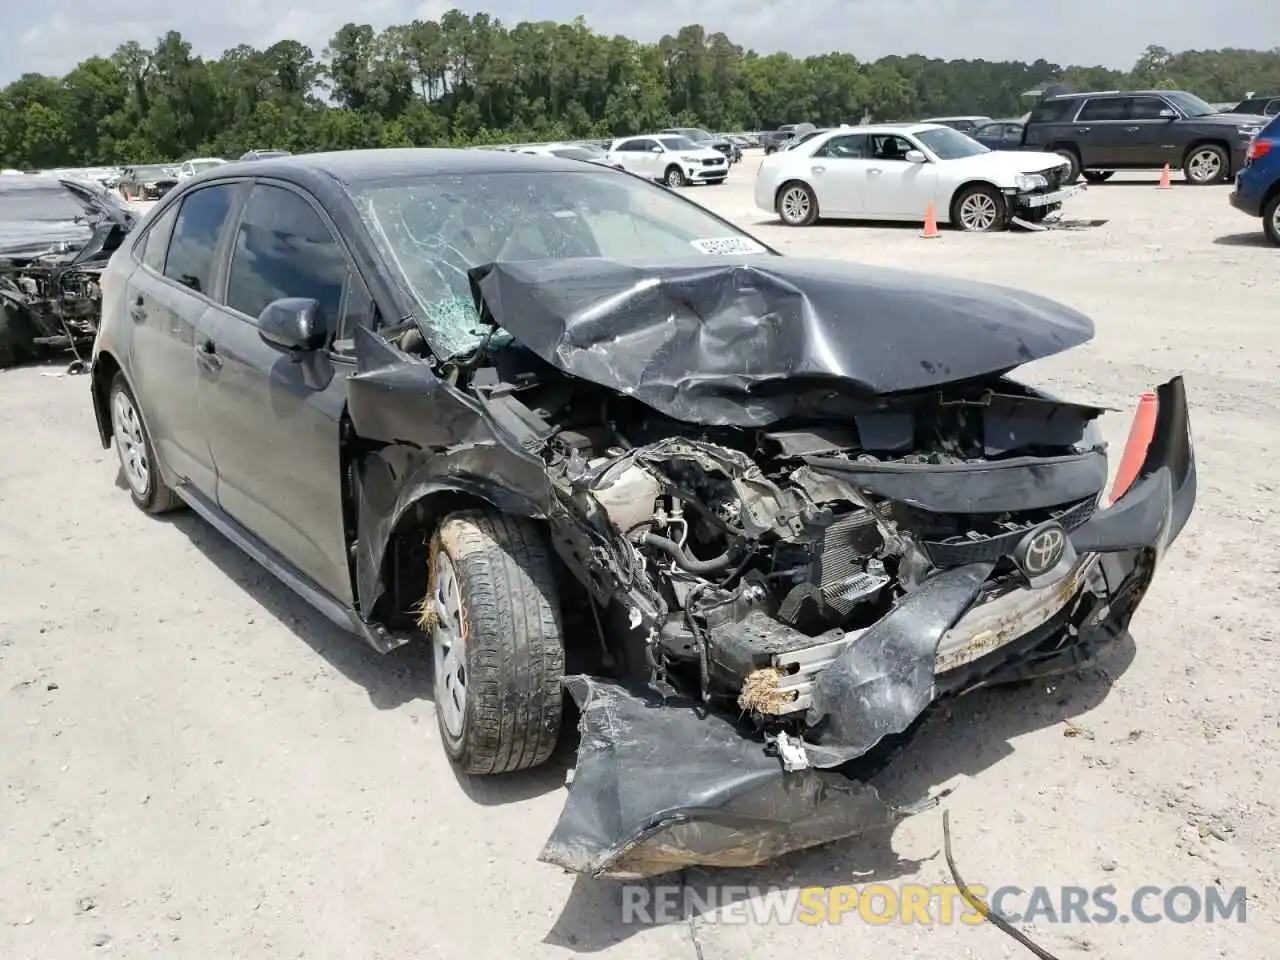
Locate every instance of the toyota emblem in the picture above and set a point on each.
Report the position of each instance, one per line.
(1043, 549)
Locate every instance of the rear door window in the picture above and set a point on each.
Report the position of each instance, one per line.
(201, 218)
(1102, 109)
(283, 248)
(848, 147)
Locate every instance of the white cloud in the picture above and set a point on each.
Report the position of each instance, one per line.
(55, 35)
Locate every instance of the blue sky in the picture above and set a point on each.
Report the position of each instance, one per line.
(51, 36)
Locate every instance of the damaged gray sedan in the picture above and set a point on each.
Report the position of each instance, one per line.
(751, 515)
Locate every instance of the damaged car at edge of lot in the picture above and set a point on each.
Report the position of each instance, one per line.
(56, 237)
(898, 171)
(754, 514)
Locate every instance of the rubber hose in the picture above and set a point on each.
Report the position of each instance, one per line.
(683, 560)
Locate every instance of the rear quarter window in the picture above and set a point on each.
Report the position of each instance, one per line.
(1053, 111)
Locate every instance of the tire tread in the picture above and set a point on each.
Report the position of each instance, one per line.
(514, 640)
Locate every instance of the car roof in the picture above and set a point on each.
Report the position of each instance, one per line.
(887, 128)
(393, 163)
(1116, 93)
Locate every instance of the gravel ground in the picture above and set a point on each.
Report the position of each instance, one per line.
(196, 765)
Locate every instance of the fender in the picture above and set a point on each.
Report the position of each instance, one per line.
(419, 445)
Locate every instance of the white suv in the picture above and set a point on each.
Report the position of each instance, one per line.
(673, 160)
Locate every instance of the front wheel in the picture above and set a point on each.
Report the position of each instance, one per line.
(674, 177)
(980, 209)
(1206, 164)
(137, 453)
(797, 205)
(1271, 220)
(493, 610)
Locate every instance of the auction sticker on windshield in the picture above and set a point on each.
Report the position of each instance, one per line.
(728, 246)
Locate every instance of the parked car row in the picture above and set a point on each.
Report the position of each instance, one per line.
(1101, 132)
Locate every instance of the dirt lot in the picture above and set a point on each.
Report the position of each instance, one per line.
(196, 765)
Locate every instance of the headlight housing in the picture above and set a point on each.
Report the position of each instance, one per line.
(1249, 130)
(1030, 181)
(691, 159)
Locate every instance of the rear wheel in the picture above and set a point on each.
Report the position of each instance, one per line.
(797, 204)
(498, 645)
(137, 453)
(1206, 164)
(674, 177)
(1271, 219)
(980, 209)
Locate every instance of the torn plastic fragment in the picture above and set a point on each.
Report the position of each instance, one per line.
(659, 787)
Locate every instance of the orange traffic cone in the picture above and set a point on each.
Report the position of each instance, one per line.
(1165, 183)
(1135, 449)
(930, 230)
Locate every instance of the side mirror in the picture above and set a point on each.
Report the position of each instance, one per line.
(293, 324)
(1168, 114)
(655, 149)
(916, 156)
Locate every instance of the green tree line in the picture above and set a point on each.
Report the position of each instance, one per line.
(468, 80)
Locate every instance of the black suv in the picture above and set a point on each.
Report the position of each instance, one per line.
(1100, 133)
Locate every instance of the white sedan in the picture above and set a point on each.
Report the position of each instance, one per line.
(896, 171)
(671, 159)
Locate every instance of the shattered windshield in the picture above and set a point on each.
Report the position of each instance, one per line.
(433, 229)
(949, 144)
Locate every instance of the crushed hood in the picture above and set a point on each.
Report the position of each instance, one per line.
(38, 233)
(743, 341)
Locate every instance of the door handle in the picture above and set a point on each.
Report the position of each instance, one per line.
(207, 355)
(1133, 129)
(136, 310)
(817, 169)
(1083, 130)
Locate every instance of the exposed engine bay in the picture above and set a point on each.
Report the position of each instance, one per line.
(50, 297)
(746, 559)
(57, 299)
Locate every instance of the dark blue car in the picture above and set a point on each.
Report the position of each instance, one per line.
(1257, 190)
(1000, 135)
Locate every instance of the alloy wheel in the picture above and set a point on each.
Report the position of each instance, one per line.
(131, 443)
(1205, 166)
(978, 212)
(449, 645)
(795, 205)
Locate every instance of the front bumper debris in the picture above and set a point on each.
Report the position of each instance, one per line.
(1037, 200)
(660, 787)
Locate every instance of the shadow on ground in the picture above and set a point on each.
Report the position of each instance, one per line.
(961, 738)
(391, 680)
(1254, 238)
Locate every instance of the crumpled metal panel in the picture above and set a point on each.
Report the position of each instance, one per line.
(660, 787)
(747, 341)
